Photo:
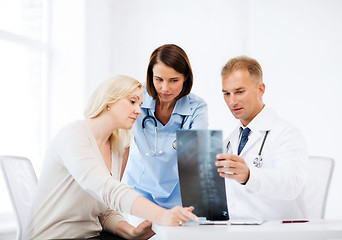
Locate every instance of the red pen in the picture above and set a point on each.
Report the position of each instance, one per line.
(295, 221)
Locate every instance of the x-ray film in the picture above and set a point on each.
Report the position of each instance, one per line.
(200, 184)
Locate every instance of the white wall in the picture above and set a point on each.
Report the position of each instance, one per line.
(298, 44)
(67, 63)
(300, 49)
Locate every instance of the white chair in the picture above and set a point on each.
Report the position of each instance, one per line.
(21, 182)
(315, 193)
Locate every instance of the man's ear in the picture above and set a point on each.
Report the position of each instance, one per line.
(261, 89)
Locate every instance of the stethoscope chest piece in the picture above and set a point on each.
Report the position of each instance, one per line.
(257, 161)
(174, 144)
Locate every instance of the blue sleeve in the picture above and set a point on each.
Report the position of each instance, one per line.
(200, 115)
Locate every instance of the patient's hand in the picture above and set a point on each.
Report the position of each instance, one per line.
(127, 231)
(143, 231)
(176, 216)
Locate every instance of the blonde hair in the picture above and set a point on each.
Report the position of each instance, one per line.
(109, 92)
(243, 62)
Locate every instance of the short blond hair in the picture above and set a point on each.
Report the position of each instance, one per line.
(109, 92)
(243, 62)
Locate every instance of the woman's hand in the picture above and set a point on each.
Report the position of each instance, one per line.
(127, 231)
(143, 231)
(176, 216)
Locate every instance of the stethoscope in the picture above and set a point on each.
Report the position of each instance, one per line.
(258, 160)
(153, 119)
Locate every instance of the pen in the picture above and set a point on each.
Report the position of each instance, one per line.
(295, 221)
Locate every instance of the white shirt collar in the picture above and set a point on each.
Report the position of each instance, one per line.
(263, 121)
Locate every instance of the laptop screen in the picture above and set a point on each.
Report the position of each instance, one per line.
(200, 184)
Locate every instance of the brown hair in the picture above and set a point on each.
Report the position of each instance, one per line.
(175, 57)
(243, 62)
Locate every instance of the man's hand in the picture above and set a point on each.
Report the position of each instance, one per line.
(232, 166)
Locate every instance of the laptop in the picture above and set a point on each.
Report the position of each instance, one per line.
(200, 184)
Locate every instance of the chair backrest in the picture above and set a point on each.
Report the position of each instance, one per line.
(315, 193)
(21, 182)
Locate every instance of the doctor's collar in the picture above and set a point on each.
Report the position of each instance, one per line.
(260, 122)
(182, 106)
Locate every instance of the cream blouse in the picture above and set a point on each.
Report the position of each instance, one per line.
(77, 197)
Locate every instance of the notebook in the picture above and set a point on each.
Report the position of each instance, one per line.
(200, 184)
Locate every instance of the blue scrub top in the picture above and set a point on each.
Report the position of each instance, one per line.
(156, 176)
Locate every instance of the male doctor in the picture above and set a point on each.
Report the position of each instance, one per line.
(265, 160)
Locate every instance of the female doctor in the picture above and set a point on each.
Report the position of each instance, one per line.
(168, 106)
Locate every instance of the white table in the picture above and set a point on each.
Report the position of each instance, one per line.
(313, 230)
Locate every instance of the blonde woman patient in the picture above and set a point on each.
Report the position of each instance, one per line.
(79, 192)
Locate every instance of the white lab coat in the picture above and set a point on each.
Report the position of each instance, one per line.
(272, 190)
